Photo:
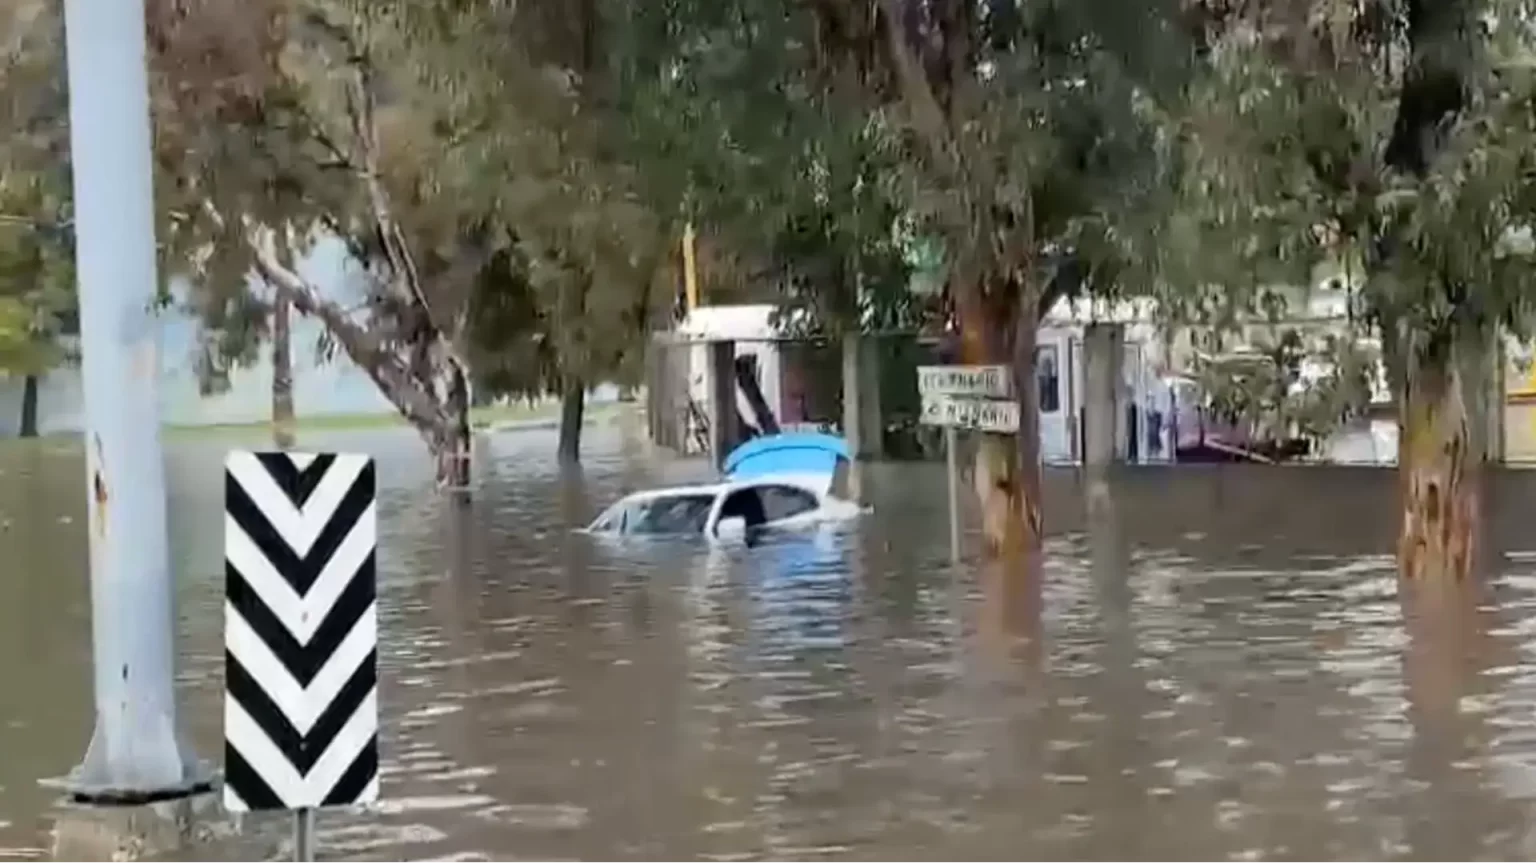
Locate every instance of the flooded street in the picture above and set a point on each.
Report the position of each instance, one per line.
(1224, 669)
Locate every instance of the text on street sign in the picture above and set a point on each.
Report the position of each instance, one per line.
(987, 415)
(977, 381)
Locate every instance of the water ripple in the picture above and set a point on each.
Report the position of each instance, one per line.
(1211, 672)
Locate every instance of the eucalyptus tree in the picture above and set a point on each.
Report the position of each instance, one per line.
(37, 297)
(449, 146)
(1025, 136)
(1396, 135)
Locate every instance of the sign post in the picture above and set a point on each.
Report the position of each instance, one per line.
(978, 398)
(952, 483)
(301, 716)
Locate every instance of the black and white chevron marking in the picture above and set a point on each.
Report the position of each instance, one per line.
(301, 712)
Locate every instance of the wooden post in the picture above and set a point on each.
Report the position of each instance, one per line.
(871, 408)
(1103, 361)
(952, 480)
(653, 369)
(723, 435)
(690, 269)
(853, 418)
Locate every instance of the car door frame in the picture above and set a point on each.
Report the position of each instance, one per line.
(794, 522)
(798, 520)
(712, 524)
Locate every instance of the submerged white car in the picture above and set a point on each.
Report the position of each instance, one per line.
(785, 481)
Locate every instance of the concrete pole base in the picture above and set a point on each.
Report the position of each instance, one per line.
(189, 828)
(145, 766)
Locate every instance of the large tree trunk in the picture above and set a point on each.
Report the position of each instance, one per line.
(282, 373)
(1010, 613)
(573, 404)
(29, 407)
(1439, 470)
(449, 437)
(1007, 469)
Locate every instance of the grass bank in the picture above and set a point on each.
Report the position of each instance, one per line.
(481, 418)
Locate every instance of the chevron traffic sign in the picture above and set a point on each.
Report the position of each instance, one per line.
(300, 631)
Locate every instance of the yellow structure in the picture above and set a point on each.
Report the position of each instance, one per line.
(690, 271)
(1522, 382)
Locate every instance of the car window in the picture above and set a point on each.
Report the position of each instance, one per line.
(745, 504)
(670, 515)
(781, 502)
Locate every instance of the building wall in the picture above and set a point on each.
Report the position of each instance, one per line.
(1520, 432)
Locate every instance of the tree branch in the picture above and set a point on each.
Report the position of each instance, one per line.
(362, 111)
(917, 93)
(361, 344)
(1442, 47)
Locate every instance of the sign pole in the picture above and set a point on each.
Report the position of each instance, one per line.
(952, 475)
(979, 398)
(304, 835)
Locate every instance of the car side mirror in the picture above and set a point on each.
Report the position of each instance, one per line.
(733, 527)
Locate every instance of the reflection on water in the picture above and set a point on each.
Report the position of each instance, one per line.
(1217, 663)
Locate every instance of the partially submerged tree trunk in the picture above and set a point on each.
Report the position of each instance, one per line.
(29, 407)
(573, 403)
(1010, 614)
(1007, 471)
(1437, 462)
(282, 372)
(450, 438)
(1439, 469)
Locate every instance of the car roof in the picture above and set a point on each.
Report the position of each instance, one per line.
(710, 489)
(809, 482)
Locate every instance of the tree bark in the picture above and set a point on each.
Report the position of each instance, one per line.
(1437, 465)
(1482, 391)
(421, 377)
(449, 438)
(573, 404)
(282, 373)
(1010, 615)
(1439, 471)
(1007, 468)
(28, 407)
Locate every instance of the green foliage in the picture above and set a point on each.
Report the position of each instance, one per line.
(485, 133)
(37, 292)
(812, 134)
(1325, 137)
(1290, 383)
(736, 133)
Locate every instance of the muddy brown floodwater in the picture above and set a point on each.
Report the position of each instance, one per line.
(1225, 669)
